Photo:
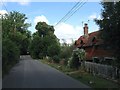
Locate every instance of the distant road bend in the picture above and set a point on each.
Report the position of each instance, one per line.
(29, 73)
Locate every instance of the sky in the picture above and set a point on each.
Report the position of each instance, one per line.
(53, 12)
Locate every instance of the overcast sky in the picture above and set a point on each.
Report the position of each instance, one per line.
(52, 12)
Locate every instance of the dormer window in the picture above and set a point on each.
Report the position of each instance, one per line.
(81, 42)
(94, 40)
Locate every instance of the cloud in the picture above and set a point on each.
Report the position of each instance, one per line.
(99, 17)
(2, 12)
(24, 3)
(68, 32)
(94, 16)
(41, 18)
(21, 2)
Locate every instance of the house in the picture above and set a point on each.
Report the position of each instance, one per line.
(96, 51)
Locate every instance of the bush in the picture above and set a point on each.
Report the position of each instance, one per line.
(56, 59)
(53, 50)
(78, 55)
(10, 54)
(40, 55)
(66, 51)
(74, 61)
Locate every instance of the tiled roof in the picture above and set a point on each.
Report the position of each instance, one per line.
(83, 41)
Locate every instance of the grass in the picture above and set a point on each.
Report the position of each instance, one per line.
(84, 77)
(62, 68)
(96, 82)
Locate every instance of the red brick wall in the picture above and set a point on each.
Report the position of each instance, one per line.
(97, 52)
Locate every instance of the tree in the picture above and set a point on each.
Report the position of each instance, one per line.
(53, 50)
(36, 47)
(15, 38)
(10, 54)
(47, 42)
(44, 29)
(15, 28)
(15, 21)
(110, 24)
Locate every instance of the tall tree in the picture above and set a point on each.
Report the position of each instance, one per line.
(15, 38)
(15, 28)
(15, 21)
(44, 29)
(110, 24)
(47, 42)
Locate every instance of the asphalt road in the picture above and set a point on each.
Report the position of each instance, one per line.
(29, 73)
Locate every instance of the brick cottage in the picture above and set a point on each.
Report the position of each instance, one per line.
(94, 46)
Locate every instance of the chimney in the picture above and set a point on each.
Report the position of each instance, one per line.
(85, 30)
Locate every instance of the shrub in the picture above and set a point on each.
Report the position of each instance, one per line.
(56, 59)
(66, 51)
(40, 55)
(10, 54)
(78, 55)
(54, 50)
(74, 61)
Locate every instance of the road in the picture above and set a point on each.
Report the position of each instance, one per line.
(29, 73)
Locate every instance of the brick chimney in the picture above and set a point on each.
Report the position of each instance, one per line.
(86, 30)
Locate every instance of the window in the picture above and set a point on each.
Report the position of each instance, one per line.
(94, 40)
(81, 42)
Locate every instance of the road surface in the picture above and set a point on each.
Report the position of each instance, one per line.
(29, 73)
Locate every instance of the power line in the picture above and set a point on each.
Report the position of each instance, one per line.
(75, 11)
(4, 6)
(68, 13)
(72, 11)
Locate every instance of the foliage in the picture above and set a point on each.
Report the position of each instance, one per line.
(36, 47)
(44, 29)
(15, 28)
(74, 61)
(10, 54)
(21, 40)
(56, 59)
(66, 51)
(44, 42)
(110, 24)
(53, 50)
(80, 53)
(78, 56)
(14, 21)
(15, 38)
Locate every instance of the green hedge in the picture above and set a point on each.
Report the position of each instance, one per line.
(10, 54)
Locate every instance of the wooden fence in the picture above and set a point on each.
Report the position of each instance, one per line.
(105, 71)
